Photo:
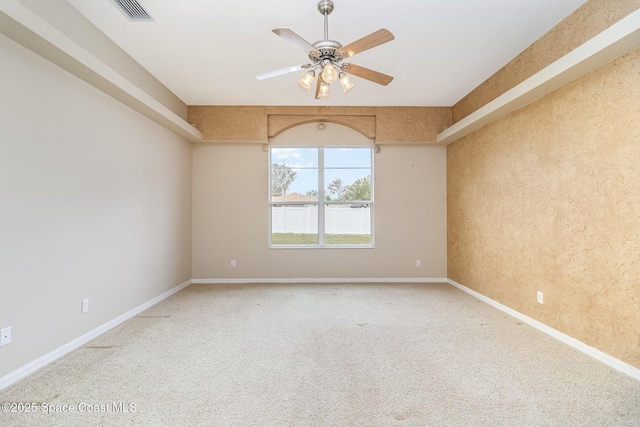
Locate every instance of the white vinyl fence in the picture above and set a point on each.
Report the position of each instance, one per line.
(304, 219)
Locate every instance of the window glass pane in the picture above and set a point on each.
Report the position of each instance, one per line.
(347, 184)
(296, 157)
(347, 157)
(294, 225)
(294, 174)
(347, 224)
(347, 174)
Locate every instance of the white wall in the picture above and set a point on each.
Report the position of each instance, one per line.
(95, 203)
(230, 214)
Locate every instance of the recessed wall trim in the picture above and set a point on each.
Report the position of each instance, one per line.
(30, 30)
(617, 40)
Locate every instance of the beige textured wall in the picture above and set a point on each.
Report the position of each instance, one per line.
(230, 194)
(387, 125)
(548, 199)
(95, 203)
(588, 21)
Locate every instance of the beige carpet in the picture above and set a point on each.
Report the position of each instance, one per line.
(326, 355)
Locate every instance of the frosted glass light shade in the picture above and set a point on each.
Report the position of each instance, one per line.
(329, 74)
(346, 83)
(323, 93)
(305, 82)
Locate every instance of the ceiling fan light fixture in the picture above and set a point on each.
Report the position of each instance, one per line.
(325, 57)
(306, 81)
(346, 82)
(329, 73)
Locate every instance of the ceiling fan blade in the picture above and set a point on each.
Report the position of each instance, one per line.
(294, 39)
(365, 73)
(367, 42)
(281, 71)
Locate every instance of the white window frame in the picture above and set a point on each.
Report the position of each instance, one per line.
(322, 203)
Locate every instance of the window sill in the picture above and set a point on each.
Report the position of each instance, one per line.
(298, 247)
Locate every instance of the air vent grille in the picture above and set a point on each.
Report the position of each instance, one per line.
(133, 10)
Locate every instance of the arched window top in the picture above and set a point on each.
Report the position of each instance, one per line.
(320, 134)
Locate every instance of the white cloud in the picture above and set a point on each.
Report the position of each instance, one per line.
(286, 153)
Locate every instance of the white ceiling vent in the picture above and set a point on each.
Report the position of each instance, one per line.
(132, 10)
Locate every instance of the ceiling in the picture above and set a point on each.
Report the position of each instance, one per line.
(208, 52)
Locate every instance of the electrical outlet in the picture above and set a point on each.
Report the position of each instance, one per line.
(85, 306)
(233, 263)
(5, 336)
(540, 298)
(418, 263)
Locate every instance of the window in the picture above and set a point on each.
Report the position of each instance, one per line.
(321, 197)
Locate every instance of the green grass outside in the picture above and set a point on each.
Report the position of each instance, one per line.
(312, 239)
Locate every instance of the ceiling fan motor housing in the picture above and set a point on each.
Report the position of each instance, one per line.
(325, 7)
(326, 49)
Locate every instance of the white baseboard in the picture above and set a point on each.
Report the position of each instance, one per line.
(608, 360)
(40, 362)
(324, 280)
(28, 369)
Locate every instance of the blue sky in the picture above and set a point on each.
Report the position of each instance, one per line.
(348, 164)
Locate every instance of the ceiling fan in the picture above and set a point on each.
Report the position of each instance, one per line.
(327, 55)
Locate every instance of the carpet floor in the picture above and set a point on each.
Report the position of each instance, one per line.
(324, 355)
